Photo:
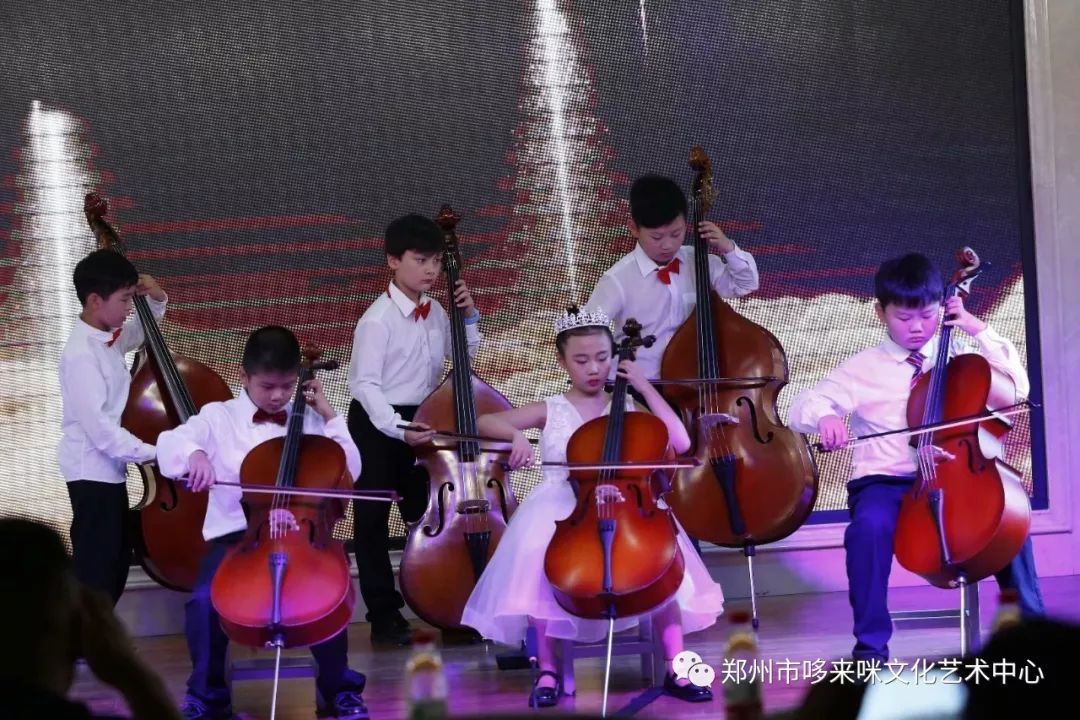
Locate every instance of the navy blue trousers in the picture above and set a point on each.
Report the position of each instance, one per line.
(874, 506)
(207, 643)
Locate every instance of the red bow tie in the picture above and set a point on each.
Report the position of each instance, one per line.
(116, 334)
(261, 416)
(421, 311)
(664, 273)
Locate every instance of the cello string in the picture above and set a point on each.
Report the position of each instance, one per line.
(152, 333)
(708, 366)
(931, 410)
(937, 395)
(178, 390)
(456, 339)
(464, 402)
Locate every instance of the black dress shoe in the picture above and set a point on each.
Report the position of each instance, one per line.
(347, 705)
(688, 692)
(545, 696)
(382, 634)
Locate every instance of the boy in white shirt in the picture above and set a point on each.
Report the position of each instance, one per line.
(209, 448)
(654, 283)
(399, 347)
(94, 384)
(871, 389)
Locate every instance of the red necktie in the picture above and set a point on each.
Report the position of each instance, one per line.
(116, 334)
(664, 273)
(422, 311)
(915, 359)
(261, 416)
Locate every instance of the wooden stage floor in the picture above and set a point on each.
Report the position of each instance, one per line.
(797, 628)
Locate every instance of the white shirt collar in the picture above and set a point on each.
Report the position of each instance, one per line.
(404, 304)
(91, 331)
(900, 354)
(247, 406)
(645, 263)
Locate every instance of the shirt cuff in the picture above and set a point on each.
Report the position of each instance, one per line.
(394, 431)
(157, 307)
(737, 254)
(988, 336)
(391, 428)
(147, 453)
(809, 415)
(472, 320)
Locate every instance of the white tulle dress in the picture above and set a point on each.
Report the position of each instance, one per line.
(513, 587)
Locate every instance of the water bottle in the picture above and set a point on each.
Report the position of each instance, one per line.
(425, 679)
(1008, 613)
(742, 681)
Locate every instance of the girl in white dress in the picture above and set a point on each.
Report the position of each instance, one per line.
(513, 592)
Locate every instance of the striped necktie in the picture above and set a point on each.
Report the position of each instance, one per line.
(915, 359)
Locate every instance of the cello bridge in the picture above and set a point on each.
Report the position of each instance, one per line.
(606, 494)
(717, 419)
(473, 507)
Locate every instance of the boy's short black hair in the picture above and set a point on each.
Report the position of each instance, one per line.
(271, 349)
(655, 201)
(413, 232)
(911, 281)
(102, 273)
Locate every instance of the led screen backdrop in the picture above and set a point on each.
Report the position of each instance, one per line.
(254, 152)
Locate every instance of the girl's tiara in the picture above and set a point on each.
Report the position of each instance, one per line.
(574, 318)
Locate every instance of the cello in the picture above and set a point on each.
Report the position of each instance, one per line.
(166, 390)
(967, 517)
(758, 480)
(617, 553)
(286, 583)
(470, 499)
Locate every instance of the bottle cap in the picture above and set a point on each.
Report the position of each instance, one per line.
(736, 617)
(423, 637)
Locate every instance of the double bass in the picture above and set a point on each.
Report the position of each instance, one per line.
(470, 499)
(967, 517)
(617, 553)
(758, 480)
(166, 390)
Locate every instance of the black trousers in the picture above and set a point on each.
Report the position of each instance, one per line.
(874, 506)
(387, 464)
(101, 547)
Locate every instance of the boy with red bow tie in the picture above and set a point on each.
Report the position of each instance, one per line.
(399, 347)
(654, 283)
(210, 448)
(94, 383)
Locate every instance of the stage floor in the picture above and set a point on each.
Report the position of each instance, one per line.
(803, 629)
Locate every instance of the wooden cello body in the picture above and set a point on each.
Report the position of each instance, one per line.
(968, 516)
(166, 389)
(757, 482)
(469, 499)
(617, 553)
(284, 585)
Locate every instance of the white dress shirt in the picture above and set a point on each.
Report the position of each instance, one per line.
(872, 388)
(227, 432)
(398, 360)
(94, 385)
(631, 289)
